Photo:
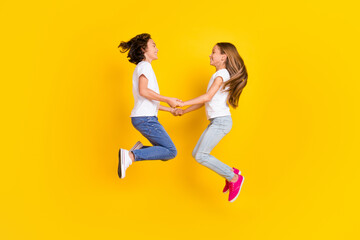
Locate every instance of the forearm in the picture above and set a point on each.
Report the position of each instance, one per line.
(193, 107)
(151, 95)
(166, 109)
(208, 95)
(198, 100)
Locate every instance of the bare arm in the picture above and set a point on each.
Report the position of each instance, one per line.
(166, 109)
(180, 112)
(193, 107)
(208, 95)
(145, 92)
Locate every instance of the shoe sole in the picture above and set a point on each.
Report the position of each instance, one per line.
(239, 190)
(121, 164)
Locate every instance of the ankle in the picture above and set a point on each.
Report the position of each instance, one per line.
(132, 157)
(235, 178)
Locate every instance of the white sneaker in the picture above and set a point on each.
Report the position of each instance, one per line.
(124, 162)
(137, 146)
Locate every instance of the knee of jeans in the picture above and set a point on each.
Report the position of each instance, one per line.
(201, 157)
(172, 153)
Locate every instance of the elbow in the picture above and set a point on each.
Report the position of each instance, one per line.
(207, 98)
(143, 93)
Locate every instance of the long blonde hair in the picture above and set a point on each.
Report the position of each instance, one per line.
(238, 73)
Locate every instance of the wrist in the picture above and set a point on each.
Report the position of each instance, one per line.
(166, 99)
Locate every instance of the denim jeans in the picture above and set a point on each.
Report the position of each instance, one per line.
(216, 130)
(163, 147)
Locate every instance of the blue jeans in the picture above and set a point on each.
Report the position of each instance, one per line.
(216, 130)
(163, 147)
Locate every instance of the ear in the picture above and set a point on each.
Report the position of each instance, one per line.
(223, 58)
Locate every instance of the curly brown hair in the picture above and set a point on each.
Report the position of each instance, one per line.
(136, 47)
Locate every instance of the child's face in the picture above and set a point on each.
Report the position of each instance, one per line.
(216, 58)
(151, 50)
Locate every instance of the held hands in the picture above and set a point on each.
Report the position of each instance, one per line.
(177, 112)
(175, 102)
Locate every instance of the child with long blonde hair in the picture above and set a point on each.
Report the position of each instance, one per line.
(224, 89)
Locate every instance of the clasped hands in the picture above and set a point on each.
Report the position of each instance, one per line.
(174, 104)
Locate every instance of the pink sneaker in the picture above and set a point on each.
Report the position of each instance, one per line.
(226, 188)
(235, 188)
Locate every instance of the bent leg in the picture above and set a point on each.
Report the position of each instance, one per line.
(216, 130)
(163, 147)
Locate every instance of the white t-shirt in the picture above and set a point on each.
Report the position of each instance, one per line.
(143, 106)
(218, 106)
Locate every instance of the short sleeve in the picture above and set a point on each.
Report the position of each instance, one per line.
(224, 74)
(145, 69)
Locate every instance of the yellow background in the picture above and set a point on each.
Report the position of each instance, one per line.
(66, 100)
